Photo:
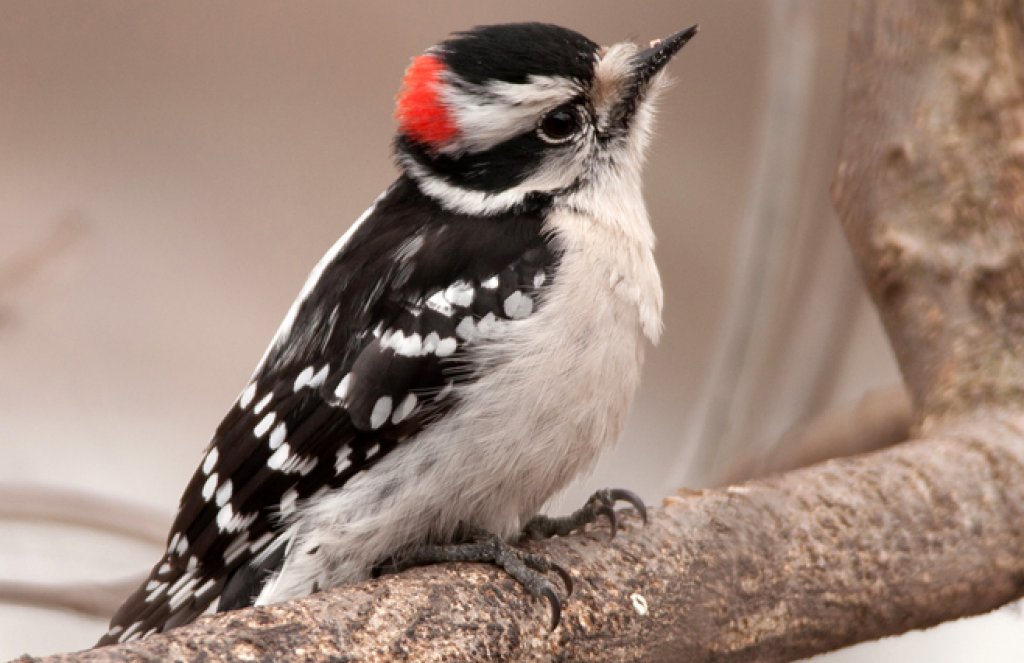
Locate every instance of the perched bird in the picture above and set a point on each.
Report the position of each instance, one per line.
(468, 346)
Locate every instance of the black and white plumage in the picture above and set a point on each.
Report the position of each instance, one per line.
(462, 352)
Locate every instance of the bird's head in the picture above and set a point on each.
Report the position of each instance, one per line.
(501, 115)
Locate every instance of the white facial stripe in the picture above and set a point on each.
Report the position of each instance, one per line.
(555, 174)
(490, 114)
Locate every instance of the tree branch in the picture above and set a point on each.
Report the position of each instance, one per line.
(816, 559)
(931, 191)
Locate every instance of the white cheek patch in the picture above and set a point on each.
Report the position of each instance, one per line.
(487, 115)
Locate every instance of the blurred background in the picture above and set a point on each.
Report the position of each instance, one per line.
(169, 172)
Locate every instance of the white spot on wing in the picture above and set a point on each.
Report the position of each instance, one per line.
(320, 376)
(264, 425)
(445, 347)
(264, 402)
(184, 594)
(296, 463)
(224, 517)
(182, 546)
(381, 412)
(538, 278)
(639, 604)
(372, 451)
(211, 460)
(518, 305)
(490, 283)
(288, 502)
(209, 487)
(156, 592)
(180, 582)
(205, 587)
(437, 302)
(234, 522)
(410, 346)
(404, 408)
(223, 494)
(279, 457)
(303, 378)
(342, 389)
(430, 342)
(278, 435)
(488, 324)
(236, 548)
(129, 632)
(247, 396)
(459, 293)
(466, 329)
(342, 461)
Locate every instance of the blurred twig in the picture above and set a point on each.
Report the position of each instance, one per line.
(79, 508)
(98, 598)
(82, 508)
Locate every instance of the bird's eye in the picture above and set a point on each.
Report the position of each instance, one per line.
(559, 125)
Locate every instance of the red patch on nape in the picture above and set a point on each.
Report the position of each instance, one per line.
(421, 114)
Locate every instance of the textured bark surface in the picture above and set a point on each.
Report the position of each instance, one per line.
(931, 191)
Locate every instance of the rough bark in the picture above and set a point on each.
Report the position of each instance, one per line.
(931, 192)
(930, 188)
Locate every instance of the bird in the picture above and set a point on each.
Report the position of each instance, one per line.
(469, 345)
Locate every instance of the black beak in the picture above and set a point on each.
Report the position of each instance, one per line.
(646, 65)
(652, 60)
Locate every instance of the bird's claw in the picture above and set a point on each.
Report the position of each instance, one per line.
(601, 503)
(556, 606)
(565, 576)
(527, 569)
(634, 500)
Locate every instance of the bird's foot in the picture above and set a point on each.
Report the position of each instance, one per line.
(482, 546)
(601, 503)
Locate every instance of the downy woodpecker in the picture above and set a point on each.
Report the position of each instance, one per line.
(469, 345)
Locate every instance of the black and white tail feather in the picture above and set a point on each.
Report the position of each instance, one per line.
(465, 350)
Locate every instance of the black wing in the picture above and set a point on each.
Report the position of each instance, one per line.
(367, 361)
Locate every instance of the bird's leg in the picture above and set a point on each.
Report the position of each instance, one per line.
(601, 503)
(482, 546)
